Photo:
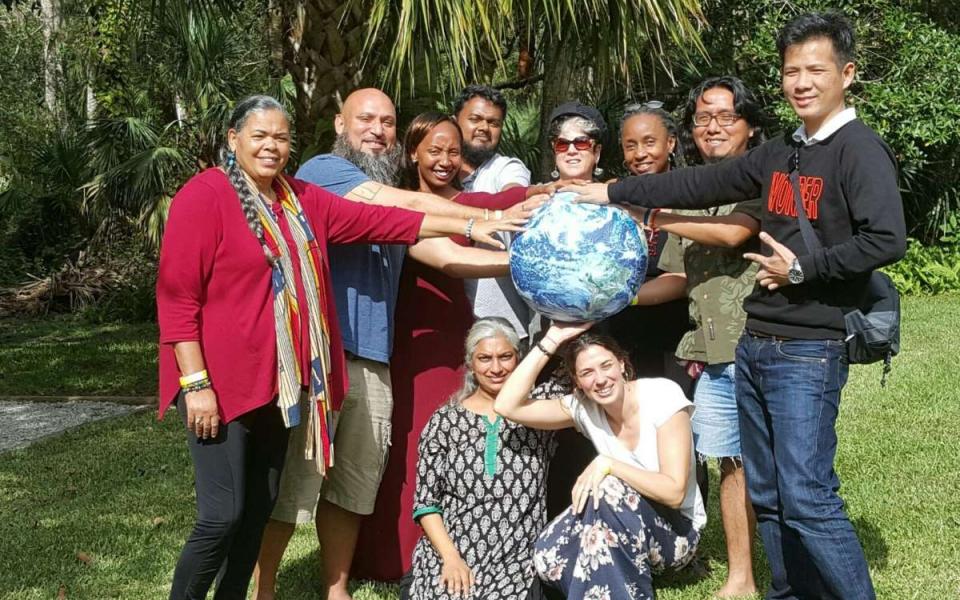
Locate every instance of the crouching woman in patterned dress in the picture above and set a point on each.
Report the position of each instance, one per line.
(636, 508)
(480, 492)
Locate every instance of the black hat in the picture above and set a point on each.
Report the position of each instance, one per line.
(581, 110)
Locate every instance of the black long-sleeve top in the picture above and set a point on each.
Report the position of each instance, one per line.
(848, 184)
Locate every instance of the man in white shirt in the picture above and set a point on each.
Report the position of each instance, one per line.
(480, 111)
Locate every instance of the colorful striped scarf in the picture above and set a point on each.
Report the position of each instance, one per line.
(286, 311)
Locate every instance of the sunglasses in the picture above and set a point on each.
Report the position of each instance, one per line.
(581, 143)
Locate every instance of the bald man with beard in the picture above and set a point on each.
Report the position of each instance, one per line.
(363, 166)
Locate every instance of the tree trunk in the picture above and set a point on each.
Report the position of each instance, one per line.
(276, 35)
(52, 22)
(322, 50)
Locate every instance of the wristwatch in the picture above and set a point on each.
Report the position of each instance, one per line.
(795, 273)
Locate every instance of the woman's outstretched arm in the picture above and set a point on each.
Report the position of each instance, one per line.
(514, 402)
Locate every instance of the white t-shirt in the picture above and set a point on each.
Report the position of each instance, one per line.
(496, 296)
(659, 399)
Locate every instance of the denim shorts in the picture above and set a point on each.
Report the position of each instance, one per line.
(716, 426)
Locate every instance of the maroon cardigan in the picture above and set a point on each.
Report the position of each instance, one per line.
(214, 286)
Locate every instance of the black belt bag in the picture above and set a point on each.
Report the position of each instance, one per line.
(873, 327)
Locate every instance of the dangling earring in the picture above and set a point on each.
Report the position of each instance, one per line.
(555, 174)
(597, 173)
(671, 160)
(231, 158)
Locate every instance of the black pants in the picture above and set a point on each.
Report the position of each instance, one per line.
(237, 479)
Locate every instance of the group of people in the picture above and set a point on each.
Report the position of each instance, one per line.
(345, 346)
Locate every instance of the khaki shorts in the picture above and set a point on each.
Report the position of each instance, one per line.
(361, 445)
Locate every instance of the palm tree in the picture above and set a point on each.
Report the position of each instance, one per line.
(591, 50)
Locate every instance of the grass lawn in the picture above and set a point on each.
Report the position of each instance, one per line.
(65, 356)
(101, 512)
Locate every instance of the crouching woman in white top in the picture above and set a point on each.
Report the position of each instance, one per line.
(636, 508)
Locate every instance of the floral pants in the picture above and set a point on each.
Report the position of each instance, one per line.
(612, 552)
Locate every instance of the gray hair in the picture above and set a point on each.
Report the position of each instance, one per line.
(483, 329)
(248, 199)
(593, 130)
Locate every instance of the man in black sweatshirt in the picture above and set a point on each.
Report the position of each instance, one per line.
(791, 362)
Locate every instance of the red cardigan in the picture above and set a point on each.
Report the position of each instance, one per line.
(214, 286)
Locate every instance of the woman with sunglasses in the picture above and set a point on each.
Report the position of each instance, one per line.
(575, 134)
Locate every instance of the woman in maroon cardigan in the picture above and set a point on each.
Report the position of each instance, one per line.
(247, 326)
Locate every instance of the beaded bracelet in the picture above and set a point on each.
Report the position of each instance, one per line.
(197, 386)
(468, 233)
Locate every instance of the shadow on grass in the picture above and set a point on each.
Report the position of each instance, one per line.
(874, 546)
(300, 578)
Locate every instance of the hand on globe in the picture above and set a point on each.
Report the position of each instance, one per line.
(592, 193)
(523, 210)
(564, 332)
(482, 231)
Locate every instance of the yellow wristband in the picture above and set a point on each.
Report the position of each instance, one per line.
(193, 378)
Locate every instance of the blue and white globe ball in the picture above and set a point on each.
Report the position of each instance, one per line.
(578, 262)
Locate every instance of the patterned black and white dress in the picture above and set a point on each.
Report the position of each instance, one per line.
(487, 479)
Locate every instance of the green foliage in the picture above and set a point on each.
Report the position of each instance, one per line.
(148, 96)
(927, 269)
(521, 131)
(454, 42)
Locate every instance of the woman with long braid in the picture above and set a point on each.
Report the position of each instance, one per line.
(247, 326)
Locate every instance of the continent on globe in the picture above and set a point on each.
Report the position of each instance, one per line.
(578, 262)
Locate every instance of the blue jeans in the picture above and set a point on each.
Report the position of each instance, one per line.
(788, 394)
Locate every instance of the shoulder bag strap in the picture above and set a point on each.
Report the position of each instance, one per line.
(806, 229)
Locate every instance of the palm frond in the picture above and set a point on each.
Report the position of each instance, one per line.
(614, 38)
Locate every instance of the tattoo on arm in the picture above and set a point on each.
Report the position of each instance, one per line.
(365, 192)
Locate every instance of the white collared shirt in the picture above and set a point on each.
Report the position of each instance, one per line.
(827, 129)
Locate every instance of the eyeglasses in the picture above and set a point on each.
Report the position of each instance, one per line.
(581, 143)
(724, 119)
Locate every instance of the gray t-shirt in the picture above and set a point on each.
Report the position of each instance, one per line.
(496, 296)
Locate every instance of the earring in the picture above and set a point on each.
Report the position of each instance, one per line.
(555, 174)
(598, 172)
(231, 158)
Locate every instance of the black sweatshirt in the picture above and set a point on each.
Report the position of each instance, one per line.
(849, 189)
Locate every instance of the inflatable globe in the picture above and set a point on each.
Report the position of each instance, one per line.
(578, 262)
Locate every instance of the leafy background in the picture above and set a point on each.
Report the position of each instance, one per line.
(128, 99)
